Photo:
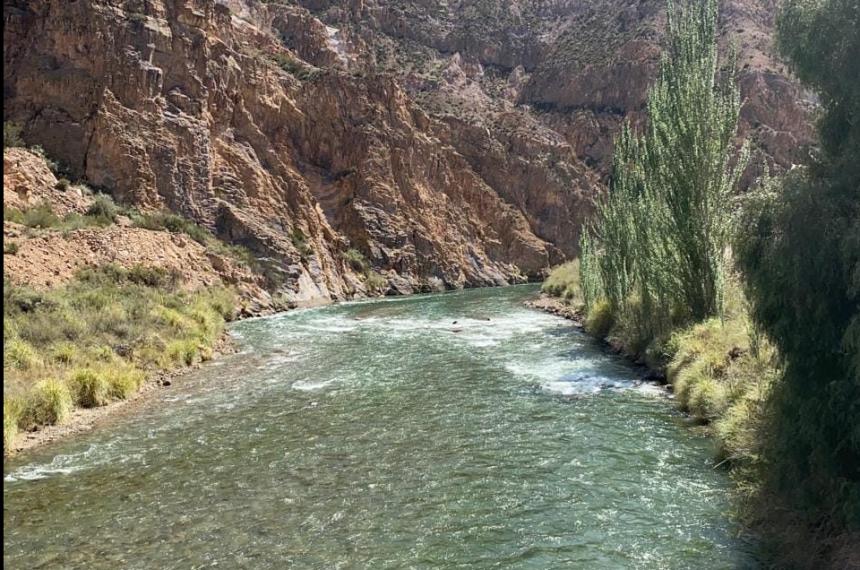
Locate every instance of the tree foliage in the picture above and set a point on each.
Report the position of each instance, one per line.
(656, 249)
(800, 253)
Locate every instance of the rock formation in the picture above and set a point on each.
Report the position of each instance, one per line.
(453, 144)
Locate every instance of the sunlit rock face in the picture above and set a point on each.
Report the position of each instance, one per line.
(460, 144)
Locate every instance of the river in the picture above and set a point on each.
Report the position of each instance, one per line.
(457, 430)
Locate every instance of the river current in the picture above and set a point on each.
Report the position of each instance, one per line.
(457, 430)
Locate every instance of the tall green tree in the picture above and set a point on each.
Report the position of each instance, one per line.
(660, 237)
(801, 257)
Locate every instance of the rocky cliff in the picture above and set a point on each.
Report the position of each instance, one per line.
(452, 144)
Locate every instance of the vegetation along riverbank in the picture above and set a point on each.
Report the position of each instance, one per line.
(102, 302)
(749, 306)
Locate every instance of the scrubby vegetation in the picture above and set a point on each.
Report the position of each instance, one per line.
(356, 259)
(12, 135)
(800, 254)
(767, 353)
(167, 221)
(374, 282)
(300, 242)
(102, 212)
(95, 340)
(564, 282)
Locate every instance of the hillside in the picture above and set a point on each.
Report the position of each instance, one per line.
(452, 144)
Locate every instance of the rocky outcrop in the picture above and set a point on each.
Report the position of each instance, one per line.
(28, 182)
(45, 258)
(460, 143)
(184, 106)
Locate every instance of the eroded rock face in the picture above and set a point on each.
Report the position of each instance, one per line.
(459, 144)
(47, 258)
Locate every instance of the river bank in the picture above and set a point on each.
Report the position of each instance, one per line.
(83, 420)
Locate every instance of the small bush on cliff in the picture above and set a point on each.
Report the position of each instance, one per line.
(103, 210)
(298, 69)
(375, 282)
(300, 242)
(12, 135)
(356, 260)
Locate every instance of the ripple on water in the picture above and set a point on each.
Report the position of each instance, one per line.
(385, 435)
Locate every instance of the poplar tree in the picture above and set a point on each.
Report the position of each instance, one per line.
(659, 239)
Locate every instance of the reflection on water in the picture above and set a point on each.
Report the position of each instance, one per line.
(447, 431)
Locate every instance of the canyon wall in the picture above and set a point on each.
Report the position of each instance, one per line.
(453, 144)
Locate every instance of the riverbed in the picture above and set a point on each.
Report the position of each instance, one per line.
(455, 430)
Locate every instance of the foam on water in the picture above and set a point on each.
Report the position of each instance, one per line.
(340, 434)
(64, 464)
(306, 386)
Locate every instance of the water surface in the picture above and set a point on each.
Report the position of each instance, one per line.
(385, 435)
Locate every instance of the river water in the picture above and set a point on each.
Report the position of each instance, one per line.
(384, 435)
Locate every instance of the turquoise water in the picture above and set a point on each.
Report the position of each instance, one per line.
(384, 435)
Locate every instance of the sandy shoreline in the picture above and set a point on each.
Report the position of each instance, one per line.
(83, 420)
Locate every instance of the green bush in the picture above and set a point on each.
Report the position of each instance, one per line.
(158, 277)
(20, 354)
(49, 403)
(563, 281)
(123, 381)
(90, 388)
(12, 135)
(707, 399)
(64, 353)
(356, 260)
(10, 247)
(103, 210)
(182, 351)
(600, 319)
(41, 216)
